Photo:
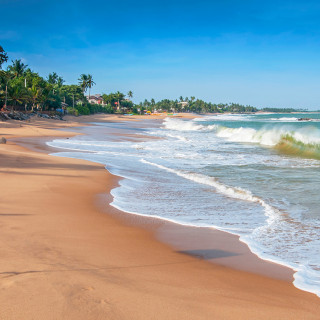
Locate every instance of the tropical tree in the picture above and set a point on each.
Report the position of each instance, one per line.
(18, 68)
(72, 93)
(130, 94)
(83, 82)
(4, 77)
(60, 82)
(35, 95)
(109, 99)
(90, 82)
(119, 96)
(52, 78)
(17, 94)
(3, 56)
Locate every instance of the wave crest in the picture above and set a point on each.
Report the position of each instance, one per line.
(271, 213)
(289, 145)
(182, 125)
(304, 142)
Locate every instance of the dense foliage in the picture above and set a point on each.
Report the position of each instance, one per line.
(283, 110)
(23, 89)
(193, 105)
(3, 56)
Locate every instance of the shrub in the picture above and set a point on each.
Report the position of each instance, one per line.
(82, 110)
(73, 112)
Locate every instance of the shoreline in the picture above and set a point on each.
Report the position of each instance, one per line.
(250, 261)
(160, 254)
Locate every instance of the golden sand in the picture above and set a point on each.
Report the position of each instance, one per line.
(63, 257)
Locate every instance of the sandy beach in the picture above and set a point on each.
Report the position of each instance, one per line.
(67, 254)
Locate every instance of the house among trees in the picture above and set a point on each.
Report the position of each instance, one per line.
(95, 99)
(183, 104)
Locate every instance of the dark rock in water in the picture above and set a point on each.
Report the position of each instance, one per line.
(304, 119)
(3, 140)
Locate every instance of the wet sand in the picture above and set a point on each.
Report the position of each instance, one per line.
(67, 254)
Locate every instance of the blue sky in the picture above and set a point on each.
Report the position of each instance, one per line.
(265, 54)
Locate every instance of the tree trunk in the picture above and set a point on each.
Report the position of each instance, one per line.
(6, 99)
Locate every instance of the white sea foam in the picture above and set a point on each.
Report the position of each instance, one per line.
(233, 117)
(194, 150)
(271, 213)
(266, 136)
(285, 119)
(305, 277)
(182, 125)
(269, 137)
(225, 117)
(175, 136)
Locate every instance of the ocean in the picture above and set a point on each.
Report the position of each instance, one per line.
(255, 175)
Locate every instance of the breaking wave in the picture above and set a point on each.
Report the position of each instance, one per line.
(289, 145)
(271, 213)
(304, 142)
(182, 125)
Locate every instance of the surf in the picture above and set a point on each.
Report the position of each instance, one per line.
(299, 142)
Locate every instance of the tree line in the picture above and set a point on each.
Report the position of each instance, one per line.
(194, 105)
(23, 89)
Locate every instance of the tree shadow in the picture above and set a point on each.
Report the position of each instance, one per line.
(31, 162)
(38, 174)
(208, 254)
(14, 214)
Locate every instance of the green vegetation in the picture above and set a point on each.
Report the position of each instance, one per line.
(3, 56)
(283, 110)
(193, 105)
(23, 89)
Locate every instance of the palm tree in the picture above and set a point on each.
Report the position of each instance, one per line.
(16, 94)
(192, 98)
(181, 98)
(152, 102)
(17, 68)
(119, 96)
(3, 56)
(130, 94)
(60, 82)
(52, 78)
(35, 94)
(5, 77)
(83, 82)
(90, 83)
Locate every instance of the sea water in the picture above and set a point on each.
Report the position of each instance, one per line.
(256, 176)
